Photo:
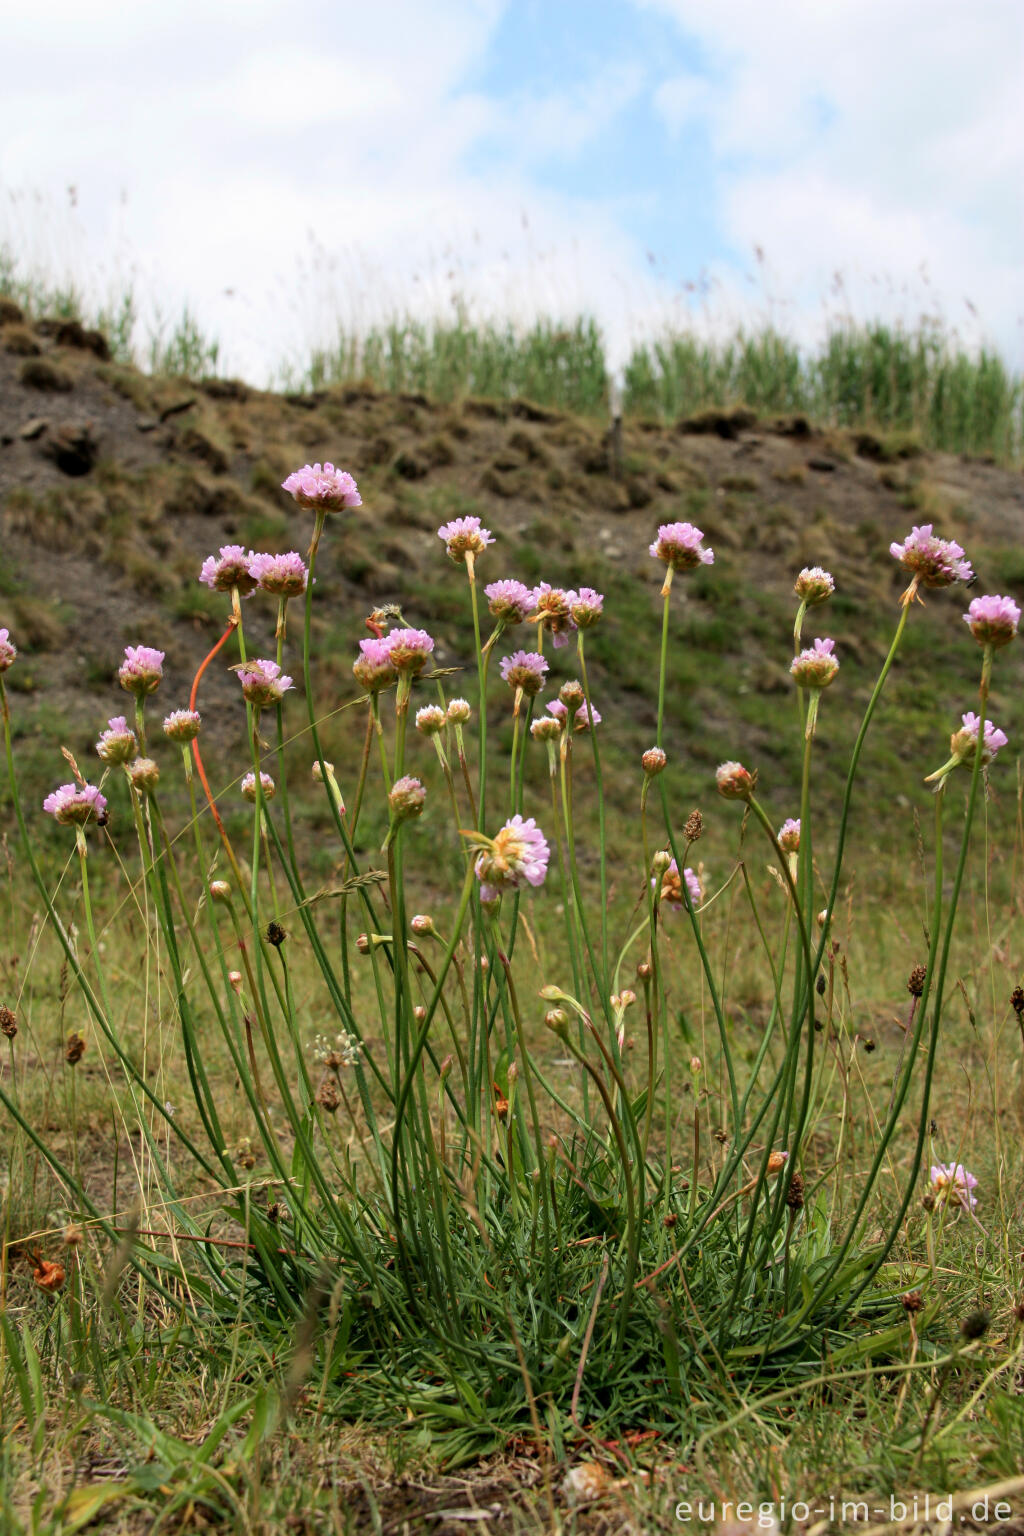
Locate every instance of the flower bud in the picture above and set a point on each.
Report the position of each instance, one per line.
(407, 798)
(571, 694)
(777, 1161)
(220, 890)
(363, 944)
(318, 770)
(654, 761)
(557, 1019)
(419, 1013)
(696, 1065)
(644, 971)
(431, 719)
(422, 925)
(235, 978)
(144, 774)
(660, 862)
(547, 728)
(735, 782)
(627, 997)
(458, 711)
(814, 585)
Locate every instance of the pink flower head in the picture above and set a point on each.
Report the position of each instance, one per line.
(372, 668)
(585, 606)
(814, 585)
(517, 856)
(789, 835)
(323, 488)
(524, 669)
(406, 798)
(182, 725)
(8, 652)
(952, 1184)
(735, 782)
(464, 536)
(509, 600)
(993, 620)
(672, 891)
(680, 546)
(268, 788)
(280, 575)
(229, 569)
(552, 612)
(581, 719)
(263, 683)
(141, 670)
(933, 562)
(73, 805)
(408, 649)
(964, 743)
(815, 667)
(118, 743)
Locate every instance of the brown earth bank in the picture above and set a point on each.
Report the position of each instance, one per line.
(115, 485)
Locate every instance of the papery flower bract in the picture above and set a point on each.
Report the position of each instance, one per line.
(585, 606)
(8, 650)
(932, 561)
(406, 798)
(654, 761)
(509, 600)
(229, 568)
(952, 1184)
(263, 682)
(118, 743)
(547, 728)
(73, 805)
(144, 774)
(680, 546)
(408, 649)
(182, 725)
(964, 743)
(814, 585)
(519, 854)
(524, 669)
(816, 666)
(734, 781)
(459, 711)
(267, 786)
(280, 575)
(141, 670)
(789, 835)
(431, 719)
(372, 668)
(672, 891)
(323, 488)
(552, 612)
(464, 536)
(993, 620)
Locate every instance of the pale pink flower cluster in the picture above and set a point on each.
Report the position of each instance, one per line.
(118, 743)
(519, 854)
(964, 743)
(8, 651)
(408, 649)
(464, 536)
(814, 585)
(182, 725)
(268, 788)
(993, 620)
(933, 562)
(789, 835)
(672, 890)
(953, 1185)
(509, 601)
(551, 605)
(681, 547)
(263, 682)
(816, 666)
(524, 669)
(73, 805)
(372, 668)
(585, 607)
(581, 717)
(323, 488)
(406, 798)
(280, 575)
(141, 670)
(229, 569)
(735, 782)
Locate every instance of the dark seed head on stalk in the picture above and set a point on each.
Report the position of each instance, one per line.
(912, 1301)
(1018, 1310)
(1017, 1001)
(75, 1048)
(928, 1200)
(821, 985)
(670, 1220)
(975, 1324)
(916, 981)
(795, 1193)
(694, 827)
(869, 1046)
(8, 1023)
(275, 934)
(327, 1096)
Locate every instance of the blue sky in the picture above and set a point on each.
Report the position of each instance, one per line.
(291, 166)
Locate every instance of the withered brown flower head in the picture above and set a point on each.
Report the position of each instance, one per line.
(912, 1301)
(8, 1023)
(694, 827)
(75, 1048)
(1017, 1001)
(915, 985)
(275, 935)
(795, 1193)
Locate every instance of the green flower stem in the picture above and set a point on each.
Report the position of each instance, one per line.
(482, 663)
(599, 783)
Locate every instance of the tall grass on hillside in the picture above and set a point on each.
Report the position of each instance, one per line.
(494, 1181)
